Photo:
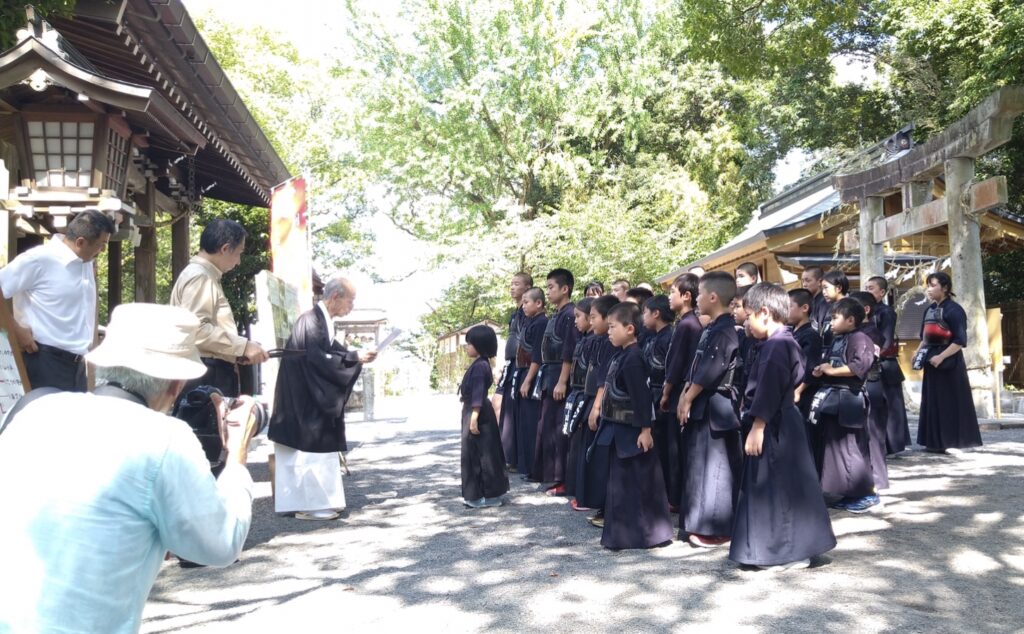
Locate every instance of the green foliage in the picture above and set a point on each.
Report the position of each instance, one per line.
(12, 16)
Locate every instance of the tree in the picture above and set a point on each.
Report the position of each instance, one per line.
(12, 16)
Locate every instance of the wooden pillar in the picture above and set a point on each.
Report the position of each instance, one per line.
(180, 245)
(968, 283)
(114, 269)
(872, 262)
(145, 253)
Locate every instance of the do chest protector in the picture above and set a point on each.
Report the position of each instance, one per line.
(936, 336)
(655, 363)
(845, 403)
(580, 361)
(552, 345)
(616, 406)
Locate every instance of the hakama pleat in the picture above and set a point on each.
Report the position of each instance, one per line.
(846, 459)
(572, 459)
(483, 461)
(666, 433)
(713, 462)
(781, 515)
(948, 419)
(305, 481)
(878, 412)
(636, 513)
(527, 417)
(551, 444)
(592, 485)
(897, 428)
(508, 424)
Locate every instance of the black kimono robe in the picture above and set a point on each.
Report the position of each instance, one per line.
(636, 513)
(665, 429)
(577, 408)
(878, 412)
(678, 360)
(528, 409)
(551, 444)
(309, 400)
(711, 437)
(897, 428)
(483, 461)
(592, 462)
(948, 418)
(780, 515)
(506, 387)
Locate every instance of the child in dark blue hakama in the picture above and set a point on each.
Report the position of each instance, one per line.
(528, 401)
(483, 461)
(577, 407)
(658, 316)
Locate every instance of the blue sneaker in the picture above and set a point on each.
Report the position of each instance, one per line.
(841, 504)
(864, 504)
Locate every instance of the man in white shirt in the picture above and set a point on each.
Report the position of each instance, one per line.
(82, 544)
(54, 291)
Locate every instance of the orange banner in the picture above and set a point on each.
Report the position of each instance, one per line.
(289, 238)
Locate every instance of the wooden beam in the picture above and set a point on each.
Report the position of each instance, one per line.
(984, 196)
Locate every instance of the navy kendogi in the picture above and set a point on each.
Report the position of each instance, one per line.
(665, 432)
(711, 437)
(573, 419)
(506, 387)
(592, 462)
(678, 361)
(897, 429)
(557, 346)
(528, 409)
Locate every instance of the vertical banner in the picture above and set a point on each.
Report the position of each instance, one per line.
(289, 239)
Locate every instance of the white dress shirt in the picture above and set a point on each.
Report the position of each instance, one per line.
(95, 490)
(54, 294)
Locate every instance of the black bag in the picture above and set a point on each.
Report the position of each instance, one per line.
(197, 408)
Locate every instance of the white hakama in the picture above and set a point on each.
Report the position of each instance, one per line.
(305, 482)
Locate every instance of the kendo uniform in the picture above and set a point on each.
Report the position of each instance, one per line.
(948, 419)
(810, 346)
(877, 411)
(897, 429)
(780, 515)
(528, 409)
(573, 419)
(507, 388)
(592, 463)
(556, 347)
(636, 512)
(744, 357)
(840, 409)
(666, 437)
(483, 460)
(711, 437)
(821, 313)
(678, 360)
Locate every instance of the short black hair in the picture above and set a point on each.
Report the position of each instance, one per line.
(90, 225)
(627, 314)
(849, 307)
(720, 283)
(659, 305)
(584, 305)
(533, 294)
(770, 296)
(944, 281)
(562, 277)
(688, 283)
(526, 277)
(750, 269)
(621, 281)
(801, 297)
(594, 285)
(816, 271)
(865, 298)
(837, 278)
(880, 281)
(604, 304)
(220, 232)
(484, 340)
(640, 294)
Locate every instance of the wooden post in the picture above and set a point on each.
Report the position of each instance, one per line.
(968, 283)
(145, 253)
(180, 245)
(871, 260)
(114, 288)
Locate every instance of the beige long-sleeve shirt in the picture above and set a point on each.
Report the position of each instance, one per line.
(198, 289)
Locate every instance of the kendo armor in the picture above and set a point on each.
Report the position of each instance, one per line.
(936, 334)
(524, 352)
(616, 406)
(580, 363)
(512, 344)
(655, 364)
(842, 400)
(552, 345)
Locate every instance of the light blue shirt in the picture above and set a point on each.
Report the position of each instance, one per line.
(94, 491)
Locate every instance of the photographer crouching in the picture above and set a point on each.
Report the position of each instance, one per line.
(98, 487)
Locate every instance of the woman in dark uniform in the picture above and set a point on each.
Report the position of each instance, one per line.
(948, 419)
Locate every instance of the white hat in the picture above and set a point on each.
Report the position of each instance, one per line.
(153, 339)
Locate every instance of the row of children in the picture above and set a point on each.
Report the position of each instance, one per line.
(737, 417)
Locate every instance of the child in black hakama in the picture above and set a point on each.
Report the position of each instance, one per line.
(897, 429)
(576, 406)
(800, 305)
(636, 510)
(658, 316)
(878, 408)
(682, 300)
(781, 519)
(528, 400)
(507, 383)
(711, 436)
(555, 357)
(592, 463)
(840, 409)
(483, 461)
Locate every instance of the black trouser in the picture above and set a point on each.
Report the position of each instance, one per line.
(220, 374)
(53, 367)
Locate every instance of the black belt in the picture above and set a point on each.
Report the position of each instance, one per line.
(61, 353)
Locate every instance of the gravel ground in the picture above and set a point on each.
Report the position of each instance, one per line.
(946, 554)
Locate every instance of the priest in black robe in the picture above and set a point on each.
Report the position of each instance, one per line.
(308, 422)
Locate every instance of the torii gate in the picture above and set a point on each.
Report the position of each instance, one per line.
(952, 153)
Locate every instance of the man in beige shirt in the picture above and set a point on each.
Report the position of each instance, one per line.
(198, 289)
